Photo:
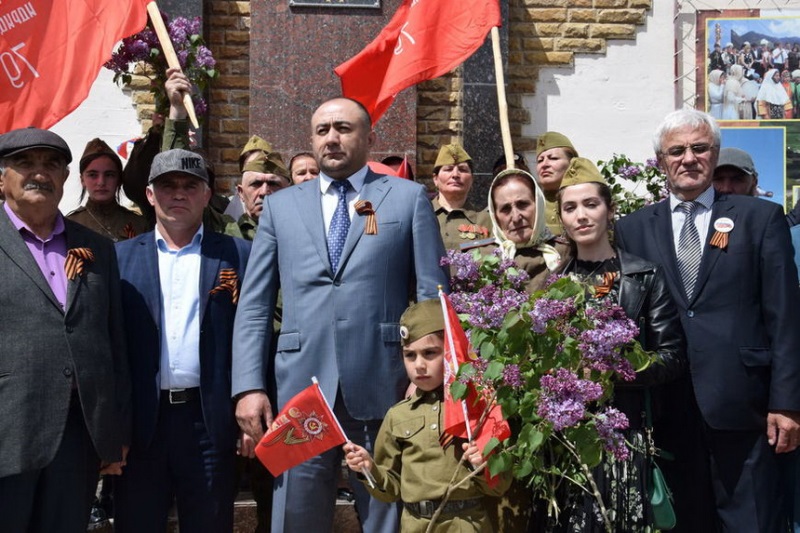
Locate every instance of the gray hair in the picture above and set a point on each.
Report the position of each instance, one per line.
(686, 118)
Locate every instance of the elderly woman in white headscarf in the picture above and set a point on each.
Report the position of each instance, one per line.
(716, 88)
(517, 210)
(732, 94)
(773, 102)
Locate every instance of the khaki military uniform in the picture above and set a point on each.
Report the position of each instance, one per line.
(248, 226)
(551, 214)
(459, 226)
(532, 261)
(411, 465)
(110, 220)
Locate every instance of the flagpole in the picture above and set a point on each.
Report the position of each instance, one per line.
(448, 329)
(502, 103)
(367, 474)
(170, 55)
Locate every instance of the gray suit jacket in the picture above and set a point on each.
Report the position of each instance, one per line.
(43, 348)
(342, 328)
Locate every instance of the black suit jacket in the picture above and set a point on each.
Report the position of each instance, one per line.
(141, 297)
(742, 323)
(44, 348)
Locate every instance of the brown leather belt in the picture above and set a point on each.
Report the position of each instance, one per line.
(426, 508)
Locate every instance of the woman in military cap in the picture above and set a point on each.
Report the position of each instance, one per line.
(101, 179)
(587, 213)
(460, 223)
(553, 154)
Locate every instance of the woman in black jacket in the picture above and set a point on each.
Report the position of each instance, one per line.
(638, 286)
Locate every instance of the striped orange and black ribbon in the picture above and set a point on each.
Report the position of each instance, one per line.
(128, 230)
(228, 281)
(76, 260)
(364, 207)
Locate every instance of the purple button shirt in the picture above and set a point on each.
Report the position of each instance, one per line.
(50, 254)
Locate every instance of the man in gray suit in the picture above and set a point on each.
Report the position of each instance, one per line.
(347, 250)
(64, 378)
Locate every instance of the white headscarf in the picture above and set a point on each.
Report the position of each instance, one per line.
(540, 233)
(771, 92)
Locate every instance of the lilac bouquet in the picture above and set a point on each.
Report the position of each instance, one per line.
(550, 359)
(630, 197)
(195, 58)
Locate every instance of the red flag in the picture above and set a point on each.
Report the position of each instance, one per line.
(424, 40)
(404, 170)
(460, 414)
(304, 428)
(51, 53)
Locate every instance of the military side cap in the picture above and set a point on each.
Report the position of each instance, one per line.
(16, 141)
(178, 160)
(267, 163)
(734, 157)
(421, 319)
(581, 170)
(96, 148)
(553, 139)
(255, 144)
(451, 154)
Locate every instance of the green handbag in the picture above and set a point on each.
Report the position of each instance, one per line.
(662, 513)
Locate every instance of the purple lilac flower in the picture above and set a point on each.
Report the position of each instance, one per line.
(609, 423)
(547, 309)
(564, 397)
(465, 270)
(179, 31)
(487, 308)
(630, 171)
(512, 376)
(652, 162)
(204, 58)
(200, 105)
(182, 56)
(602, 346)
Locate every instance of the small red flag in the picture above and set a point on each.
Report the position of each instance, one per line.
(404, 170)
(424, 40)
(303, 429)
(461, 417)
(51, 53)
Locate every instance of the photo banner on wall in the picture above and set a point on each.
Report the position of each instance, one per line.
(748, 78)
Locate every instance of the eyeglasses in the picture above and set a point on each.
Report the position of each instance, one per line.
(677, 152)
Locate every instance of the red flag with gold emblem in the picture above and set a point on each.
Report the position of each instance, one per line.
(305, 428)
(51, 52)
(424, 40)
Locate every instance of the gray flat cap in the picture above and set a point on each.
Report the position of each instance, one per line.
(16, 141)
(734, 157)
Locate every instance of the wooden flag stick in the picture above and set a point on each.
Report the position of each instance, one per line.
(502, 104)
(170, 55)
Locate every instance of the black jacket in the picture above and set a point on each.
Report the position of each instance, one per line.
(645, 297)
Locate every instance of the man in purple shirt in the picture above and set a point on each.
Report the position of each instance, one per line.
(64, 376)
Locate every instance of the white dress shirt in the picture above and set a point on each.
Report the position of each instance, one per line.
(702, 217)
(179, 276)
(330, 195)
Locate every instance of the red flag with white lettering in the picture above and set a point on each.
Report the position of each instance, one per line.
(424, 40)
(305, 428)
(51, 51)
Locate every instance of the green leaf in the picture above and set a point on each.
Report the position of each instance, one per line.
(491, 445)
(458, 390)
(494, 370)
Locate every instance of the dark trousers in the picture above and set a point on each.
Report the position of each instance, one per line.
(57, 497)
(181, 463)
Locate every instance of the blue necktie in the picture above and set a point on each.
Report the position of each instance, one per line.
(340, 223)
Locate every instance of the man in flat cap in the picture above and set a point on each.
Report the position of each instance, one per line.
(735, 173)
(459, 223)
(263, 173)
(180, 289)
(554, 151)
(64, 381)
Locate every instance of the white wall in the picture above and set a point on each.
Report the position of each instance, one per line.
(107, 113)
(611, 103)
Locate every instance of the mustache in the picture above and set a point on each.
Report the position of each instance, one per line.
(38, 186)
